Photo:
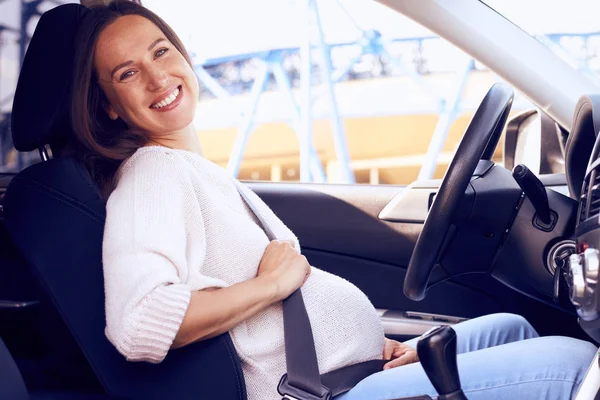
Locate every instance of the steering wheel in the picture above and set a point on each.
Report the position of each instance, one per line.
(478, 143)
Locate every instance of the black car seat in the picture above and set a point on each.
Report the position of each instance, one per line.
(12, 385)
(55, 215)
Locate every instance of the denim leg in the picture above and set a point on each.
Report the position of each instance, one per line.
(539, 368)
(488, 331)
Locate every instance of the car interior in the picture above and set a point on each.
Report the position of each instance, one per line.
(485, 239)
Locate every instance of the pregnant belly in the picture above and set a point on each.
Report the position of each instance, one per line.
(345, 325)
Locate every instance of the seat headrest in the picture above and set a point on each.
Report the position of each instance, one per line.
(40, 113)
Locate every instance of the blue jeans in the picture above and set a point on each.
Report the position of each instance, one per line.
(500, 356)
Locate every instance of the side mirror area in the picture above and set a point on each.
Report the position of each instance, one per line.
(537, 141)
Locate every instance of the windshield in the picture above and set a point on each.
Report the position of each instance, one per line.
(570, 29)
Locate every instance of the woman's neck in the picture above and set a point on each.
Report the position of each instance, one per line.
(186, 139)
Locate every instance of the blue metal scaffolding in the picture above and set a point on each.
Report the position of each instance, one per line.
(370, 42)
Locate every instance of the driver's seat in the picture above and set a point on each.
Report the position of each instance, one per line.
(55, 215)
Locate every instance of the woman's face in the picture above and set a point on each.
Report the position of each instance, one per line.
(147, 82)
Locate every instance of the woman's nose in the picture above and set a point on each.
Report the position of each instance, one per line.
(157, 78)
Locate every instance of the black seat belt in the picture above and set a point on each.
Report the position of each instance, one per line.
(302, 381)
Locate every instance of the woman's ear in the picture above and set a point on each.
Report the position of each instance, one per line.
(112, 114)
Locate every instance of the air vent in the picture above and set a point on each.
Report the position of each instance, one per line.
(589, 202)
(595, 197)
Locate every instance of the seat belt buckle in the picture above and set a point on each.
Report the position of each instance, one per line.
(290, 392)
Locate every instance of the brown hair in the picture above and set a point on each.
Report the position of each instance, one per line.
(103, 144)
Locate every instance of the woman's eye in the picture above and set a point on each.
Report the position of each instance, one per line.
(160, 52)
(126, 75)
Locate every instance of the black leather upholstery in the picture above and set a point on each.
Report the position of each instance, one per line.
(55, 216)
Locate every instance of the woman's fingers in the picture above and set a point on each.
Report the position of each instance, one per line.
(408, 357)
(388, 348)
(387, 354)
(400, 351)
(394, 349)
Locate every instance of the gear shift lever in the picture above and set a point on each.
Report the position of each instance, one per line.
(437, 353)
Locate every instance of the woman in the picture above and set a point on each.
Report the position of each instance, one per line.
(185, 259)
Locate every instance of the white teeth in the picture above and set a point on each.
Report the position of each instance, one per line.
(171, 98)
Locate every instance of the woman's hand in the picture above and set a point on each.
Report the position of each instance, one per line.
(213, 311)
(284, 267)
(399, 354)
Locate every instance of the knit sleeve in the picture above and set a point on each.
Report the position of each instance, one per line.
(146, 235)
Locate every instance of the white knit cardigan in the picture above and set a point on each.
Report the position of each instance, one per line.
(176, 223)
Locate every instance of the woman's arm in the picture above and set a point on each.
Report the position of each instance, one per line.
(214, 311)
(150, 221)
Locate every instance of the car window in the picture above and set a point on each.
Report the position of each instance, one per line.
(402, 96)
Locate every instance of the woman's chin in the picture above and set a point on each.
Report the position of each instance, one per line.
(176, 122)
(178, 128)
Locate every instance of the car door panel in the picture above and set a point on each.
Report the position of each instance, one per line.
(340, 232)
(342, 219)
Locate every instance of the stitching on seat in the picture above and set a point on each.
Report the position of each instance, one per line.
(235, 366)
(85, 177)
(71, 202)
(68, 200)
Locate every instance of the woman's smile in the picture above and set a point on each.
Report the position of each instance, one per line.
(169, 101)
